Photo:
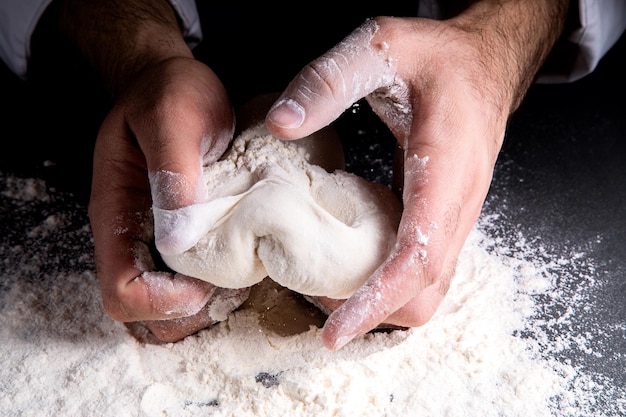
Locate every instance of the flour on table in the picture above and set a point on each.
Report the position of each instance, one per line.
(272, 212)
(489, 351)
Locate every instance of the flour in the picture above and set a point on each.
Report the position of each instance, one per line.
(270, 211)
(489, 351)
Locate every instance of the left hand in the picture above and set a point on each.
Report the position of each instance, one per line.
(171, 115)
(150, 149)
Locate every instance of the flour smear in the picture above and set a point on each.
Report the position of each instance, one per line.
(494, 348)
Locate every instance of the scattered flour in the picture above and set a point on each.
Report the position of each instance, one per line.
(491, 350)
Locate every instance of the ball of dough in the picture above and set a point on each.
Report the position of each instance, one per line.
(271, 212)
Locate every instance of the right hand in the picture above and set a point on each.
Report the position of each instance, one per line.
(445, 89)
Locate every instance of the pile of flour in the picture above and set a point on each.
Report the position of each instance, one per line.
(488, 351)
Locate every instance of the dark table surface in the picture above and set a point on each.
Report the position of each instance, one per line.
(561, 177)
(560, 180)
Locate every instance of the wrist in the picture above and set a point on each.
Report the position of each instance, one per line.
(515, 37)
(119, 38)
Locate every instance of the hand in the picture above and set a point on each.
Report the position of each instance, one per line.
(171, 115)
(445, 89)
(150, 150)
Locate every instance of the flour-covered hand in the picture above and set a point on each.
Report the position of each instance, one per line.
(150, 151)
(171, 115)
(446, 90)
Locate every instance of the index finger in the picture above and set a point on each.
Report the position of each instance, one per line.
(131, 284)
(415, 276)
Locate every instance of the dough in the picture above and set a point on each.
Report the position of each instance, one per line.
(272, 212)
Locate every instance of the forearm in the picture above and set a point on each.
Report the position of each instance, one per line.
(121, 37)
(516, 38)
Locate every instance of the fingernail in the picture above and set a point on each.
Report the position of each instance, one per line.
(287, 113)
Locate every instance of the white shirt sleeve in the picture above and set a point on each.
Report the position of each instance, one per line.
(601, 24)
(189, 20)
(19, 18)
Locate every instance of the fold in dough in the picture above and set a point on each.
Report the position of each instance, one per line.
(270, 212)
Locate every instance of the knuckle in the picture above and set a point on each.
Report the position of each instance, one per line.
(117, 304)
(322, 74)
(114, 308)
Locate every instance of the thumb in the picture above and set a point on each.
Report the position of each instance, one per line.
(329, 85)
(176, 188)
(175, 163)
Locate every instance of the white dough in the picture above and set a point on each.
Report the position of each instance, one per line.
(270, 212)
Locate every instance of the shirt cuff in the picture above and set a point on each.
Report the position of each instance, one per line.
(597, 27)
(189, 20)
(19, 19)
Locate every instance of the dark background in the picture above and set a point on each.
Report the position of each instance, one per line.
(560, 178)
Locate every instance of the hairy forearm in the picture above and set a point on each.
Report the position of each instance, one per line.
(121, 37)
(515, 35)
